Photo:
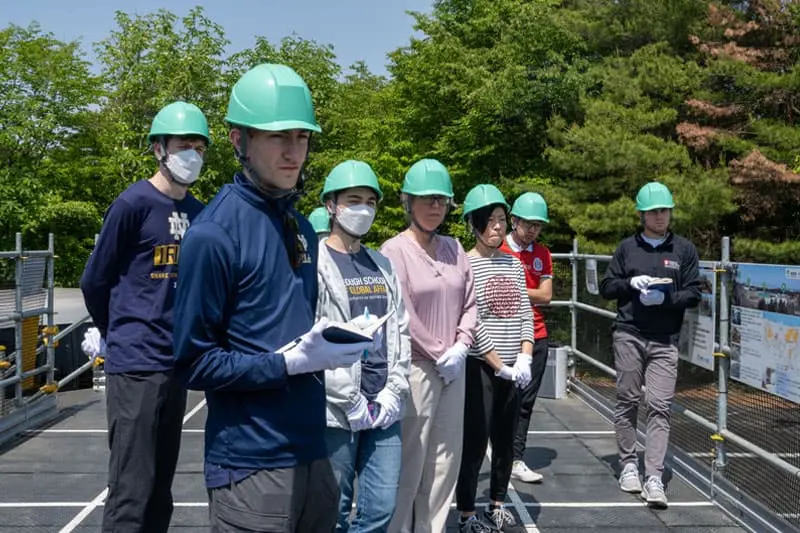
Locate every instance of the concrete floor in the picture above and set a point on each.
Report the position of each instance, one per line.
(53, 480)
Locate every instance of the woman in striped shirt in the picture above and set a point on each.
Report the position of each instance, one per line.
(499, 361)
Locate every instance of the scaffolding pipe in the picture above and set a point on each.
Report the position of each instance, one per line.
(69, 378)
(50, 317)
(724, 367)
(20, 376)
(573, 312)
(596, 310)
(17, 326)
(66, 331)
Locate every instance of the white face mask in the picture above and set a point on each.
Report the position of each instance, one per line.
(185, 166)
(355, 219)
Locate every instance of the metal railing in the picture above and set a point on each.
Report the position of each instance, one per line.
(724, 431)
(27, 321)
(32, 294)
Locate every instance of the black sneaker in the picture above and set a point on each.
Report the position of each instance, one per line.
(473, 525)
(499, 517)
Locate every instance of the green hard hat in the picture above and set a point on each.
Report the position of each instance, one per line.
(654, 195)
(481, 196)
(530, 206)
(272, 97)
(320, 220)
(179, 118)
(349, 174)
(428, 177)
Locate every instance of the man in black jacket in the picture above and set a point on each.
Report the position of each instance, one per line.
(654, 277)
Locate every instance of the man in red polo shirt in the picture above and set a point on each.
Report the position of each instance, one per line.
(528, 215)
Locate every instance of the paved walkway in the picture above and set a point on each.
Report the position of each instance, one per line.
(54, 480)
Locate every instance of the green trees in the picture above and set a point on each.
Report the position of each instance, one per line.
(581, 100)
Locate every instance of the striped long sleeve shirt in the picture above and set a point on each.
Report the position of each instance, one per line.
(505, 318)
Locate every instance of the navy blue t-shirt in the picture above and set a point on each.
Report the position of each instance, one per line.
(366, 288)
(129, 281)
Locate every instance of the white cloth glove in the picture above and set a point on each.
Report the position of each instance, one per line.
(363, 321)
(449, 365)
(640, 282)
(507, 372)
(358, 416)
(523, 369)
(313, 353)
(390, 409)
(93, 344)
(651, 297)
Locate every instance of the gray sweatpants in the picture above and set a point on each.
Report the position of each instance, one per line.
(303, 499)
(638, 362)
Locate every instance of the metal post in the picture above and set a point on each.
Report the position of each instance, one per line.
(721, 459)
(51, 297)
(18, 304)
(573, 310)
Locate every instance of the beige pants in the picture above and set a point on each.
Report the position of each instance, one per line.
(432, 433)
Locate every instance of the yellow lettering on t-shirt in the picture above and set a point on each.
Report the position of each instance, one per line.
(166, 254)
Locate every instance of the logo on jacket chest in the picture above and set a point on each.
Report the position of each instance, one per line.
(535, 267)
(304, 248)
(178, 224)
(674, 265)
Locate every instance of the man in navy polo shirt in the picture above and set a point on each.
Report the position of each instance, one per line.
(245, 331)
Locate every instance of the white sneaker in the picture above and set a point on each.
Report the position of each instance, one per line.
(521, 472)
(653, 493)
(629, 479)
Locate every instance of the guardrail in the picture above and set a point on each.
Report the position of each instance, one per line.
(750, 469)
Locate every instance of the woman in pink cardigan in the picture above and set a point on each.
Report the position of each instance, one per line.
(437, 285)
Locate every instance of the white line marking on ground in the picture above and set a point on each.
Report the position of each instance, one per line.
(547, 505)
(86, 511)
(568, 432)
(607, 505)
(195, 410)
(516, 501)
(100, 498)
(34, 505)
(742, 455)
(90, 431)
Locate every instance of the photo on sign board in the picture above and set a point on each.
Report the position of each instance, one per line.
(736, 370)
(736, 352)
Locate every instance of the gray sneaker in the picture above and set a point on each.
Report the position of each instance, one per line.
(473, 525)
(629, 479)
(653, 493)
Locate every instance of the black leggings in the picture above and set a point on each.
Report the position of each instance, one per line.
(528, 395)
(491, 411)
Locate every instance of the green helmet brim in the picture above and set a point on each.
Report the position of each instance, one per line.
(653, 207)
(531, 219)
(429, 192)
(283, 125)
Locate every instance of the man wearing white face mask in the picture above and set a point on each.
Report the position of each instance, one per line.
(128, 286)
(364, 400)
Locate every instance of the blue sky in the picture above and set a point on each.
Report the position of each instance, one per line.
(358, 29)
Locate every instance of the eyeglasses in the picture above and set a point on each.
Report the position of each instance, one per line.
(429, 201)
(529, 225)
